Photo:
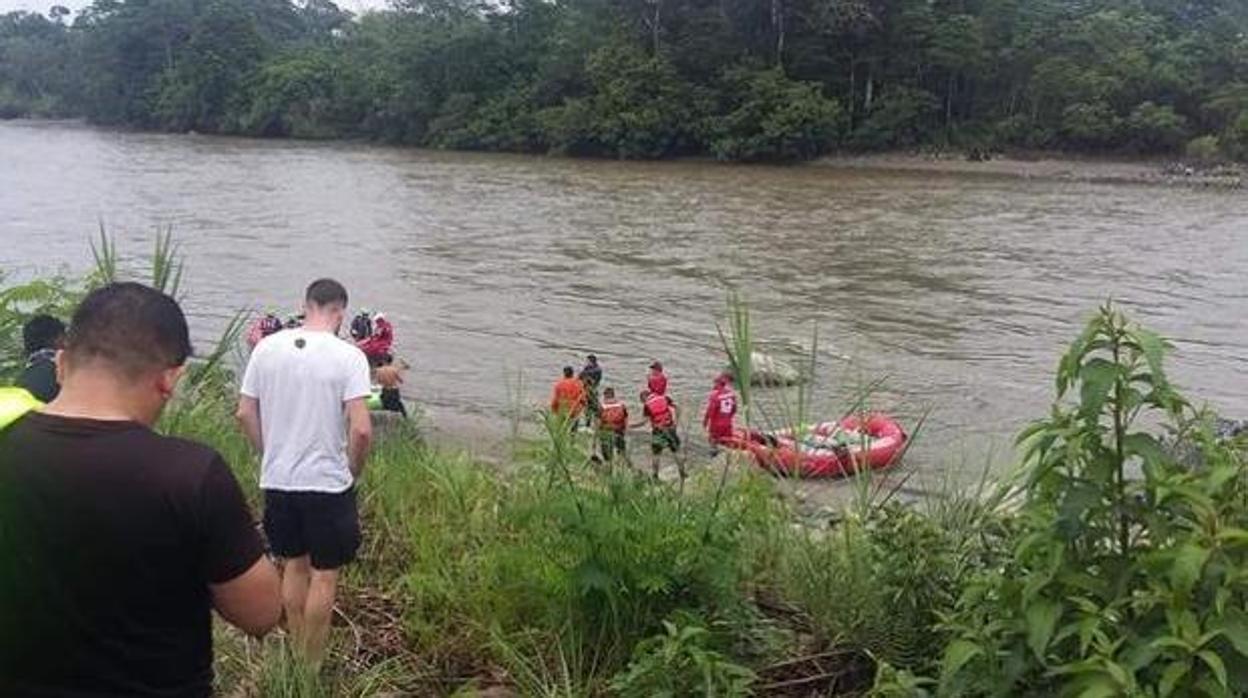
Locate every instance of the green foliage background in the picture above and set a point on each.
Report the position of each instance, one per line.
(732, 79)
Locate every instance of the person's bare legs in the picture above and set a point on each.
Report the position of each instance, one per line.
(296, 575)
(318, 613)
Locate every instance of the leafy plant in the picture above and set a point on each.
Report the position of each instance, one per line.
(681, 662)
(1127, 574)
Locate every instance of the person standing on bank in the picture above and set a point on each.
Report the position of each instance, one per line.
(591, 376)
(42, 336)
(117, 542)
(721, 410)
(660, 410)
(303, 408)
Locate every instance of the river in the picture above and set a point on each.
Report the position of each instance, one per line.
(959, 291)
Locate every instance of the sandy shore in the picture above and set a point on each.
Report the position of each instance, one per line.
(1050, 167)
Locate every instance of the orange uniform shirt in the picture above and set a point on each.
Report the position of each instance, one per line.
(569, 397)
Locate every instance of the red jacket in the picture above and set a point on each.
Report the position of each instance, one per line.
(379, 342)
(657, 383)
(721, 408)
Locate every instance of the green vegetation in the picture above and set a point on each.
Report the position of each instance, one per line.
(1106, 568)
(736, 79)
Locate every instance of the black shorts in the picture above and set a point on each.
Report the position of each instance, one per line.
(324, 526)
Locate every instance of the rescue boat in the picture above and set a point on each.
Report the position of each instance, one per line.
(827, 449)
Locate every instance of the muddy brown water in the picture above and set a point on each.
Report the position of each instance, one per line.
(960, 291)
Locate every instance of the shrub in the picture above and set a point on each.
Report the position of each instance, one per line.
(881, 584)
(771, 117)
(681, 662)
(1155, 127)
(505, 122)
(900, 117)
(1205, 149)
(1090, 125)
(292, 95)
(1235, 139)
(1126, 578)
(639, 108)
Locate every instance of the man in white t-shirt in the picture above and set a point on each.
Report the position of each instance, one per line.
(303, 408)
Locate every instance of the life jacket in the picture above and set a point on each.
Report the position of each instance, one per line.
(381, 338)
(657, 383)
(660, 411)
(614, 416)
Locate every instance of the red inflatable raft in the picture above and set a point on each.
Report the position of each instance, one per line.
(828, 449)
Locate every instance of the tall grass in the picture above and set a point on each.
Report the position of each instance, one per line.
(167, 264)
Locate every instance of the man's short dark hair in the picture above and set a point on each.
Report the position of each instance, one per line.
(592, 359)
(608, 392)
(326, 292)
(42, 332)
(568, 372)
(131, 326)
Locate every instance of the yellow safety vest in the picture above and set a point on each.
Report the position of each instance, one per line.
(14, 404)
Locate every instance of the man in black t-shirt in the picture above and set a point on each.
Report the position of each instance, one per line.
(115, 542)
(42, 336)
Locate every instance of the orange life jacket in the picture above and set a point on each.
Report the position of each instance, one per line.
(660, 411)
(614, 416)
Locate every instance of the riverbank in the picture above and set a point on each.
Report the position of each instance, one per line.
(547, 574)
(551, 576)
(1050, 166)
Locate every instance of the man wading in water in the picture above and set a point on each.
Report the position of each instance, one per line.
(303, 407)
(115, 541)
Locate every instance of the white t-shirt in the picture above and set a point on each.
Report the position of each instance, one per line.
(302, 380)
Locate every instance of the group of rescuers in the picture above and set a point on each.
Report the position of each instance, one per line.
(117, 541)
(576, 396)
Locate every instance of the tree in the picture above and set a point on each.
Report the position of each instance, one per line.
(648, 78)
(769, 117)
(1156, 128)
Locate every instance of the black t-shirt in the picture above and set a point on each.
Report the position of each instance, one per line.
(109, 537)
(39, 378)
(591, 374)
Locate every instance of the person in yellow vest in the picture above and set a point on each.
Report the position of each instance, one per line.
(14, 404)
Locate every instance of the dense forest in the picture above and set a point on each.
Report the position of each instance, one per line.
(733, 79)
